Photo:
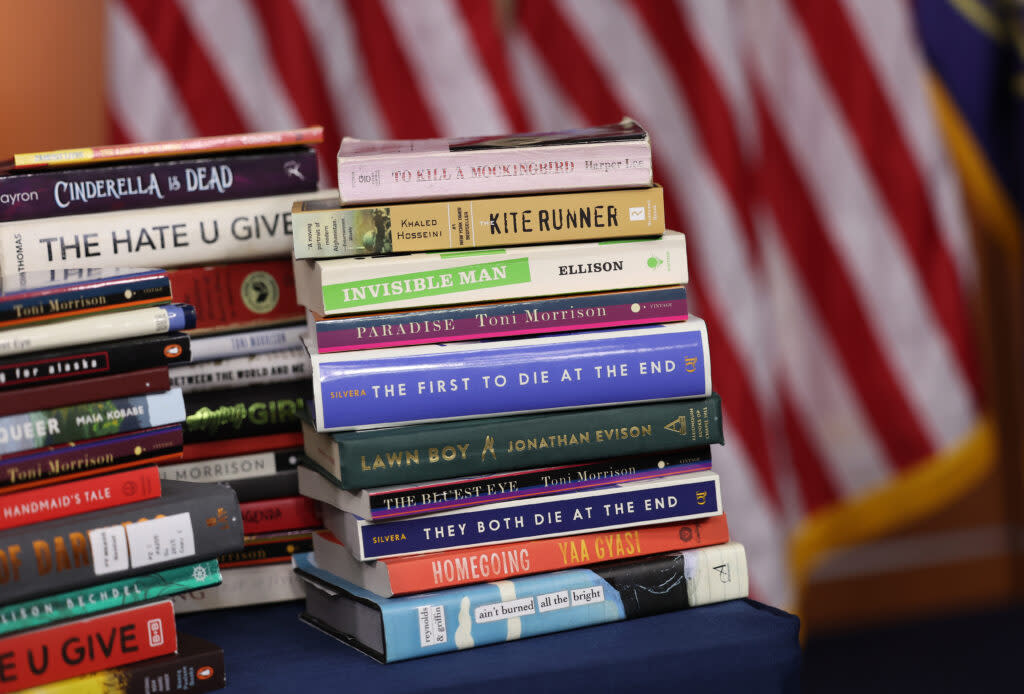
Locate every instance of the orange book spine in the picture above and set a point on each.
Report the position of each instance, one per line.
(422, 572)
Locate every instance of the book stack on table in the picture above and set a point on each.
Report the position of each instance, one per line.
(512, 410)
(93, 543)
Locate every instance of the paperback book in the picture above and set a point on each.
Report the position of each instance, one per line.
(399, 628)
(248, 411)
(241, 371)
(269, 548)
(394, 282)
(244, 586)
(48, 396)
(616, 155)
(258, 341)
(423, 383)
(669, 499)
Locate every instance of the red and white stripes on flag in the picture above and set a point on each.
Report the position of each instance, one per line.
(794, 139)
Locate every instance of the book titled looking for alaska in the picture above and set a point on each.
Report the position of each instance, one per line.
(423, 383)
(399, 628)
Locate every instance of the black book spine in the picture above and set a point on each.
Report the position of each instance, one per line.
(188, 523)
(281, 483)
(82, 362)
(197, 667)
(212, 415)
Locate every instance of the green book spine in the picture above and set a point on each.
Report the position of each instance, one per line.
(85, 602)
(441, 450)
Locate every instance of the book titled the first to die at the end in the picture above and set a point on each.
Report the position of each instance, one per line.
(461, 380)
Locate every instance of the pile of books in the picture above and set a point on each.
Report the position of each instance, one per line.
(512, 409)
(92, 542)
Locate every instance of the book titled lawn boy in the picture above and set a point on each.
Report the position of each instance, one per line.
(462, 380)
(400, 628)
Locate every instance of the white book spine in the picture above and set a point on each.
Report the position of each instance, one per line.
(166, 237)
(435, 175)
(236, 467)
(358, 285)
(254, 369)
(102, 327)
(244, 585)
(214, 347)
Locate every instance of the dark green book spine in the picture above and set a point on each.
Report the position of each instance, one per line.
(440, 450)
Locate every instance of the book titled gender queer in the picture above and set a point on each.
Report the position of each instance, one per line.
(462, 380)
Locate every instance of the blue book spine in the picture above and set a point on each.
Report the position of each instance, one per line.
(478, 379)
(676, 498)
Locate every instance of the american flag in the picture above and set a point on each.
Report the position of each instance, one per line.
(829, 250)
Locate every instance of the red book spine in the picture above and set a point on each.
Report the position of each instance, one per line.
(283, 513)
(241, 445)
(238, 295)
(45, 655)
(122, 385)
(79, 496)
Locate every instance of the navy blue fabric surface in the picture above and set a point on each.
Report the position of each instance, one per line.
(736, 646)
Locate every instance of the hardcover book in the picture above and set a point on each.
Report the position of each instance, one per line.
(248, 411)
(279, 515)
(422, 383)
(269, 548)
(457, 448)
(155, 183)
(418, 573)
(44, 397)
(551, 314)
(34, 297)
(127, 636)
(187, 523)
(326, 229)
(79, 459)
(243, 586)
(107, 596)
(241, 371)
(90, 420)
(617, 155)
(259, 341)
(233, 468)
(219, 448)
(383, 503)
(88, 361)
(278, 484)
(668, 499)
(392, 629)
(383, 283)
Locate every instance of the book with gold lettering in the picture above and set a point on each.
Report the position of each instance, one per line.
(413, 626)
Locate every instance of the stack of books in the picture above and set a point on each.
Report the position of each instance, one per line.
(92, 542)
(507, 388)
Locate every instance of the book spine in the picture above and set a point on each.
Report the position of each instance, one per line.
(221, 448)
(324, 229)
(22, 432)
(80, 496)
(241, 412)
(464, 380)
(247, 370)
(101, 327)
(79, 459)
(88, 361)
(107, 596)
(155, 183)
(68, 650)
(277, 515)
(345, 285)
(115, 543)
(505, 319)
(268, 549)
(101, 388)
(376, 458)
(278, 484)
(212, 347)
(78, 300)
(238, 295)
(422, 572)
(202, 233)
(228, 468)
(494, 172)
(678, 498)
(244, 585)
(431, 497)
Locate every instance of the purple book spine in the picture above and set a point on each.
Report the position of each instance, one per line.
(505, 319)
(156, 183)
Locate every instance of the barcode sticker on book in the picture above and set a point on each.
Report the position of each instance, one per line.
(109, 549)
(161, 539)
(433, 629)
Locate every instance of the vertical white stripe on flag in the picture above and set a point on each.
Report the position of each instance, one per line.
(887, 33)
(233, 37)
(839, 431)
(543, 99)
(333, 37)
(140, 94)
(859, 227)
(451, 76)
